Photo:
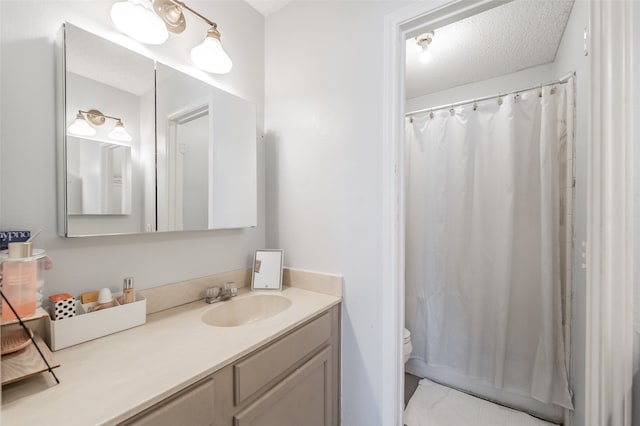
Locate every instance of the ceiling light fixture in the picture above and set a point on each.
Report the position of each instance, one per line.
(132, 18)
(81, 126)
(424, 40)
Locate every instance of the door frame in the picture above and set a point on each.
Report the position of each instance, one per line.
(609, 245)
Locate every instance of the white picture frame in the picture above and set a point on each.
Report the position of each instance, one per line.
(267, 270)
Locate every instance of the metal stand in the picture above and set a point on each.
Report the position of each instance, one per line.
(26, 330)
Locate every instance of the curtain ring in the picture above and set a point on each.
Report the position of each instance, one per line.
(411, 119)
(431, 114)
(500, 100)
(475, 106)
(516, 97)
(452, 111)
(554, 89)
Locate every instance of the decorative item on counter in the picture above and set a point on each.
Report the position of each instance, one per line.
(63, 305)
(89, 296)
(128, 295)
(20, 273)
(7, 237)
(14, 340)
(105, 300)
(42, 260)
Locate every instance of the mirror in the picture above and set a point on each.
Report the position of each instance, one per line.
(267, 270)
(206, 155)
(103, 179)
(146, 148)
(102, 190)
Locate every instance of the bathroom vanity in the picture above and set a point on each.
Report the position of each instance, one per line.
(291, 381)
(177, 369)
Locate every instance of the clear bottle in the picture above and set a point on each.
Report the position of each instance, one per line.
(127, 291)
(44, 262)
(19, 278)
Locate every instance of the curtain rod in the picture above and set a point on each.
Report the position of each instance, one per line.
(562, 80)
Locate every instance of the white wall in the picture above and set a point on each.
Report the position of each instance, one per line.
(27, 149)
(494, 86)
(324, 94)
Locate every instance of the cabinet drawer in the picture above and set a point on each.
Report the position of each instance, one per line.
(193, 406)
(302, 398)
(257, 371)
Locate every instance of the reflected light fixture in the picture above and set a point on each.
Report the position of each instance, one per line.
(81, 126)
(424, 40)
(209, 55)
(119, 133)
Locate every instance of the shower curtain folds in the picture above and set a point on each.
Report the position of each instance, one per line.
(484, 247)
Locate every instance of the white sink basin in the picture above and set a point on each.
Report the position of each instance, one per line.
(245, 310)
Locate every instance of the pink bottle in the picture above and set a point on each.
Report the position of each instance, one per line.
(19, 277)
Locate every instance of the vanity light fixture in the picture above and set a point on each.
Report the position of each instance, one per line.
(81, 126)
(209, 55)
(136, 19)
(424, 40)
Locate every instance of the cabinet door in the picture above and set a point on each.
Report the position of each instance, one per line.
(193, 406)
(303, 398)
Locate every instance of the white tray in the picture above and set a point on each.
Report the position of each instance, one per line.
(88, 326)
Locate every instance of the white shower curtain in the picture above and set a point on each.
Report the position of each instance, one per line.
(483, 242)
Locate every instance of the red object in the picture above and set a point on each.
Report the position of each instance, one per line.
(60, 296)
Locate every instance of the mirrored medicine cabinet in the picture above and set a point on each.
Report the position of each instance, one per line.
(143, 147)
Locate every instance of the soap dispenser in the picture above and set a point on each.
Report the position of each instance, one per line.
(19, 278)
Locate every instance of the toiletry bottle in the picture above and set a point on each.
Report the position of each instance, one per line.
(19, 276)
(44, 262)
(127, 291)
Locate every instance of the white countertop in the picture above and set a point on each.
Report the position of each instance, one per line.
(107, 380)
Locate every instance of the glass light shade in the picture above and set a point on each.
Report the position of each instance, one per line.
(425, 55)
(137, 19)
(211, 57)
(119, 133)
(80, 127)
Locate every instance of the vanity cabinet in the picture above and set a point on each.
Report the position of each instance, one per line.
(191, 406)
(291, 381)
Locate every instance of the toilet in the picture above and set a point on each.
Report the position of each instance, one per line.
(407, 345)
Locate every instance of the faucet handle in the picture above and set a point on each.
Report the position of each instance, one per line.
(231, 288)
(212, 294)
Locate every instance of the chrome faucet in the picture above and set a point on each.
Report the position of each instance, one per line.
(219, 294)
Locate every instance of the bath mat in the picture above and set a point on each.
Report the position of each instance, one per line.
(435, 405)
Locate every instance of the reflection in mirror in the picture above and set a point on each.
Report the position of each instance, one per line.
(191, 163)
(103, 190)
(109, 137)
(206, 145)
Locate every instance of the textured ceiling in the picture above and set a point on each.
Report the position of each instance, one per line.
(505, 39)
(267, 7)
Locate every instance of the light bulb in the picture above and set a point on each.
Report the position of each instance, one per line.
(119, 133)
(210, 56)
(80, 127)
(137, 19)
(425, 55)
